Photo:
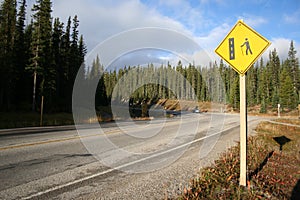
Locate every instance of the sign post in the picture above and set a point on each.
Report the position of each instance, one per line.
(241, 48)
(243, 131)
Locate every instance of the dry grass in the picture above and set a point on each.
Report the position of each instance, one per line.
(272, 173)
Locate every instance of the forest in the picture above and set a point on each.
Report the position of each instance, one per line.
(39, 63)
(269, 83)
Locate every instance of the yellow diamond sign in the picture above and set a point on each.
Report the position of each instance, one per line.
(241, 47)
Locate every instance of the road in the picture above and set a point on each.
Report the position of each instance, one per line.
(124, 160)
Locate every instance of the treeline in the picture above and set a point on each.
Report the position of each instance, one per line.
(269, 83)
(38, 61)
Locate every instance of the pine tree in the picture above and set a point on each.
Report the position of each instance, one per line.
(235, 93)
(21, 57)
(252, 86)
(262, 84)
(287, 96)
(263, 106)
(64, 71)
(204, 87)
(73, 57)
(97, 76)
(42, 65)
(38, 51)
(293, 66)
(275, 72)
(8, 14)
(56, 45)
(74, 62)
(19, 47)
(225, 81)
(199, 83)
(82, 50)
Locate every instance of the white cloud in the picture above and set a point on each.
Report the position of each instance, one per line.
(252, 20)
(210, 42)
(282, 46)
(214, 37)
(99, 21)
(189, 13)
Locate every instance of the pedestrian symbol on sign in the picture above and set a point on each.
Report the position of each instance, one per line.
(247, 44)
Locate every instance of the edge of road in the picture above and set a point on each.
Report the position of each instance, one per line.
(45, 129)
(30, 130)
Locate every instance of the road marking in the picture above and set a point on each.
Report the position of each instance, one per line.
(123, 166)
(71, 138)
(44, 142)
(54, 141)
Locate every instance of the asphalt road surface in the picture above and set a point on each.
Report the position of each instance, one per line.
(125, 160)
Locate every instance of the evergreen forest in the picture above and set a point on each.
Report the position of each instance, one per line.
(39, 62)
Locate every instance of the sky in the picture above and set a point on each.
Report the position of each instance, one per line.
(206, 22)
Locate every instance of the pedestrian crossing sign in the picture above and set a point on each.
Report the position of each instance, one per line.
(241, 47)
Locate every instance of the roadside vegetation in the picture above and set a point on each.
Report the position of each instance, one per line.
(273, 167)
(29, 119)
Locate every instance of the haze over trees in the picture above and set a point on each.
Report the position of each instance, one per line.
(40, 60)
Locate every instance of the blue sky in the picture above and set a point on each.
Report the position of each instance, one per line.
(205, 21)
(273, 18)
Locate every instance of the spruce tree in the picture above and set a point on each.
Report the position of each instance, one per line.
(275, 73)
(252, 86)
(235, 93)
(56, 44)
(21, 57)
(42, 65)
(293, 66)
(65, 56)
(287, 96)
(8, 14)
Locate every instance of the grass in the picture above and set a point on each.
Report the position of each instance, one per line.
(272, 174)
(31, 119)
